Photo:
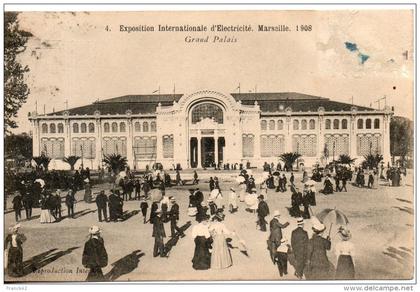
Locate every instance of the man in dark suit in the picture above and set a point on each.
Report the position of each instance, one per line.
(95, 256)
(262, 212)
(153, 209)
(101, 201)
(28, 204)
(299, 241)
(159, 234)
(114, 201)
(275, 234)
(174, 217)
(70, 201)
(17, 205)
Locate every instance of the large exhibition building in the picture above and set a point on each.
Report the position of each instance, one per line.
(199, 129)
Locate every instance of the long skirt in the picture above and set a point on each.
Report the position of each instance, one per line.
(14, 262)
(201, 259)
(242, 193)
(46, 216)
(345, 268)
(220, 256)
(95, 275)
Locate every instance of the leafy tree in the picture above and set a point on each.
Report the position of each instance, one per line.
(71, 160)
(41, 161)
(18, 146)
(345, 159)
(401, 136)
(289, 158)
(372, 161)
(16, 91)
(116, 162)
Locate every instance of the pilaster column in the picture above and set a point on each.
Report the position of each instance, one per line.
(98, 143)
(36, 138)
(67, 147)
(386, 138)
(130, 143)
(216, 150)
(288, 145)
(353, 137)
(199, 152)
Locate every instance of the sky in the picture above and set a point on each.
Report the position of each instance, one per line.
(73, 58)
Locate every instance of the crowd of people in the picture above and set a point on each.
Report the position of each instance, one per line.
(209, 233)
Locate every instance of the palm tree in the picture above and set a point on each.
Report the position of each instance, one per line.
(289, 158)
(372, 161)
(41, 161)
(71, 160)
(116, 162)
(345, 159)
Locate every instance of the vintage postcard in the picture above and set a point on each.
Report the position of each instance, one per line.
(209, 145)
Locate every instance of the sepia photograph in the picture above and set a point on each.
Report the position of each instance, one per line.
(199, 145)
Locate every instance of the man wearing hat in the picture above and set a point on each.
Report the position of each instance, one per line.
(159, 234)
(101, 201)
(299, 241)
(95, 256)
(262, 212)
(174, 217)
(17, 205)
(275, 234)
(318, 264)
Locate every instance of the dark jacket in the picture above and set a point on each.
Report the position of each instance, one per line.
(17, 202)
(70, 200)
(317, 252)
(275, 231)
(174, 212)
(158, 228)
(263, 210)
(101, 200)
(94, 253)
(299, 241)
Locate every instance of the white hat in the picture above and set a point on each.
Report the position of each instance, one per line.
(283, 240)
(276, 213)
(86, 180)
(318, 227)
(94, 230)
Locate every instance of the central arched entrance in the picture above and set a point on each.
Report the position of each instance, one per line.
(206, 134)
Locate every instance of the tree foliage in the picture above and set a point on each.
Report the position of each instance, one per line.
(289, 158)
(116, 162)
(16, 91)
(41, 161)
(401, 136)
(71, 160)
(18, 146)
(372, 160)
(345, 159)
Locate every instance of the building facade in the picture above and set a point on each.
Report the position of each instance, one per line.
(205, 127)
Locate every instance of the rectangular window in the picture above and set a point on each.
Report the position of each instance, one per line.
(247, 145)
(53, 148)
(84, 147)
(145, 147)
(168, 146)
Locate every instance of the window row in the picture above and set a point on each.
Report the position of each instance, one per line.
(52, 128)
(304, 145)
(336, 145)
(145, 148)
(145, 127)
(272, 125)
(336, 124)
(367, 124)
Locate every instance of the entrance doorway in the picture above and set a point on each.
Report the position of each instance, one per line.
(207, 152)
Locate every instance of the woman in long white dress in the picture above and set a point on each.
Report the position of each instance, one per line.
(220, 256)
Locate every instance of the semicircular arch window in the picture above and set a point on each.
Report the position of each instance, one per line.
(207, 111)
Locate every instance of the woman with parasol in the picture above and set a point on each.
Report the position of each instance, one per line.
(220, 256)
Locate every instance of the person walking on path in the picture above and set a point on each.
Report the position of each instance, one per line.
(281, 257)
(17, 206)
(275, 234)
(262, 212)
(143, 207)
(28, 204)
(101, 201)
(70, 201)
(299, 242)
(317, 260)
(202, 239)
(95, 256)
(159, 234)
(345, 253)
(220, 255)
(13, 251)
(174, 217)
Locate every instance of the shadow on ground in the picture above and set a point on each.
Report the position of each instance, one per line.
(125, 265)
(41, 260)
